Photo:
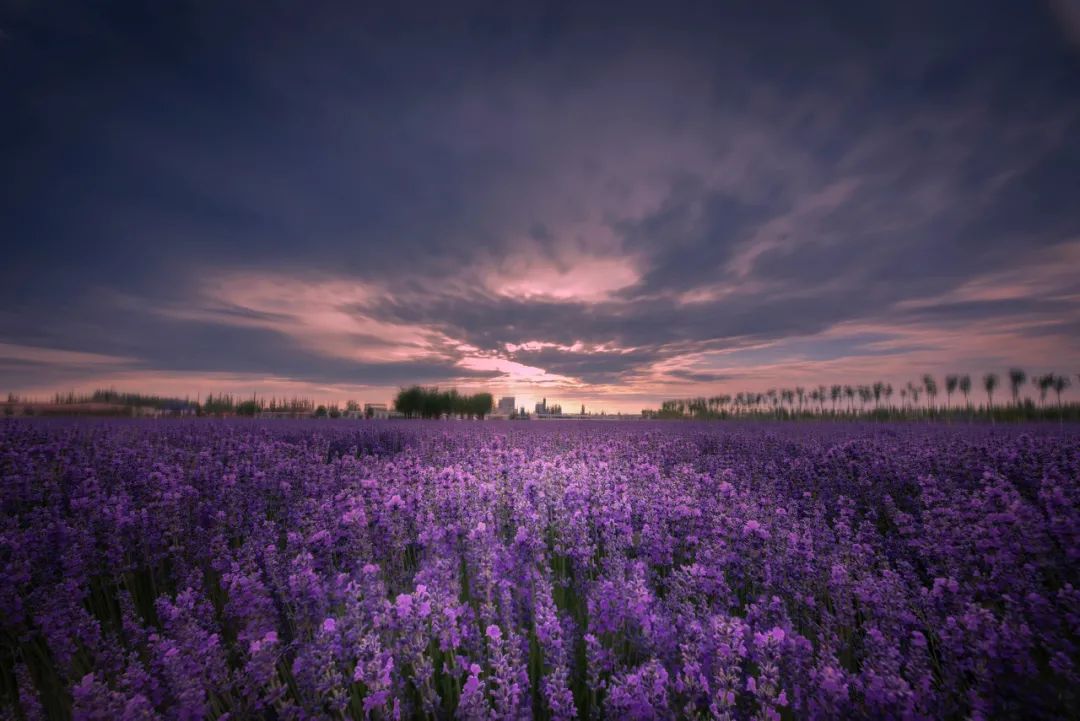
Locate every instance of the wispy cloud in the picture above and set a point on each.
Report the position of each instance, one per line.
(54, 356)
(323, 314)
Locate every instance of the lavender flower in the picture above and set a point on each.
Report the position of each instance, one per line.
(382, 571)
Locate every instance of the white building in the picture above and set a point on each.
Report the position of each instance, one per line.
(376, 410)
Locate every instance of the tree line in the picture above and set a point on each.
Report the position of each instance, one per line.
(412, 402)
(420, 402)
(881, 400)
(221, 404)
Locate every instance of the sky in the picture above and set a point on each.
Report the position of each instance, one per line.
(599, 203)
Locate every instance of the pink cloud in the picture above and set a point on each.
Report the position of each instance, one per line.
(581, 279)
(324, 314)
(514, 373)
(53, 356)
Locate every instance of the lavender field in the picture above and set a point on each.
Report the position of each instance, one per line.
(191, 570)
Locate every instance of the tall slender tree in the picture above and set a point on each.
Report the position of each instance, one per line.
(931, 390)
(965, 388)
(1016, 379)
(788, 396)
(913, 395)
(1060, 383)
(990, 383)
(951, 382)
(865, 394)
(1044, 383)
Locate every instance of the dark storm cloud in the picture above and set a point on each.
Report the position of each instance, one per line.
(691, 237)
(604, 188)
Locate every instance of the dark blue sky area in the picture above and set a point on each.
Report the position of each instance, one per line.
(625, 201)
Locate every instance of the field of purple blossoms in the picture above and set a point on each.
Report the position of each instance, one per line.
(309, 570)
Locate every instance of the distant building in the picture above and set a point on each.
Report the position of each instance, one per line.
(283, 414)
(506, 406)
(376, 410)
(543, 410)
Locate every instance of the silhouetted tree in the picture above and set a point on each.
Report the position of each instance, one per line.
(865, 394)
(788, 396)
(787, 403)
(248, 408)
(931, 390)
(951, 383)
(990, 382)
(1060, 384)
(1016, 379)
(482, 403)
(1044, 383)
(433, 403)
(408, 401)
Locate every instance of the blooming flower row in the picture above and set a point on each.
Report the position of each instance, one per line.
(195, 570)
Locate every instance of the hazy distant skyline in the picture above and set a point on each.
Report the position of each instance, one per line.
(603, 203)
